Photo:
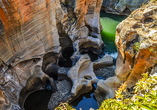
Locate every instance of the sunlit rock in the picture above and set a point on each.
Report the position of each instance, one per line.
(45, 31)
(136, 44)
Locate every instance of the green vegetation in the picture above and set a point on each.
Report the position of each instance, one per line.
(150, 50)
(64, 106)
(137, 46)
(131, 16)
(143, 98)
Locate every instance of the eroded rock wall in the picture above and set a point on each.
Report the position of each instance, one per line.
(40, 33)
(136, 41)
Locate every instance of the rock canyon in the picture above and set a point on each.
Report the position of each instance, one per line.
(56, 45)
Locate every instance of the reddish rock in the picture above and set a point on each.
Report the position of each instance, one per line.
(46, 31)
(137, 51)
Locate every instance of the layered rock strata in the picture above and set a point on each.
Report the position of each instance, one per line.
(136, 41)
(43, 34)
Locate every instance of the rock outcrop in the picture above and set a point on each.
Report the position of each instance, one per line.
(136, 41)
(122, 7)
(47, 32)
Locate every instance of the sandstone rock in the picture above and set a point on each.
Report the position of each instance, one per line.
(136, 47)
(82, 76)
(2, 100)
(37, 81)
(45, 31)
(122, 7)
(14, 80)
(104, 67)
(136, 50)
(106, 89)
(105, 61)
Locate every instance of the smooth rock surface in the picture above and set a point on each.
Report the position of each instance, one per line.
(82, 76)
(45, 31)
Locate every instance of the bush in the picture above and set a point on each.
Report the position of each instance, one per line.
(143, 98)
(64, 106)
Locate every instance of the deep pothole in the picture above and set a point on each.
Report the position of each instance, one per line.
(38, 100)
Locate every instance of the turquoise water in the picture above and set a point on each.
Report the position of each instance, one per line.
(109, 23)
(39, 99)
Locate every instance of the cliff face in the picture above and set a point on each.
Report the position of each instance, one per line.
(32, 27)
(136, 41)
(122, 7)
(43, 33)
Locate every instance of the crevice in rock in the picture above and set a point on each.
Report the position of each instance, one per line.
(67, 47)
(50, 65)
(65, 62)
(148, 20)
(3, 67)
(1, 27)
(68, 7)
(93, 31)
(126, 11)
(91, 54)
(136, 26)
(149, 70)
(67, 51)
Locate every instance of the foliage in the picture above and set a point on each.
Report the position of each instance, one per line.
(64, 106)
(131, 15)
(137, 46)
(150, 50)
(153, 0)
(143, 98)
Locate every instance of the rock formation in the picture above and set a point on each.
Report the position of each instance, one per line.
(47, 44)
(47, 33)
(136, 41)
(81, 77)
(122, 7)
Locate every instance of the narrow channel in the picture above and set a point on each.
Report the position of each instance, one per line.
(109, 23)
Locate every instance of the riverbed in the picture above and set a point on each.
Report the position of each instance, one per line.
(109, 23)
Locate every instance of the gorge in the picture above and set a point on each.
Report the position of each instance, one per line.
(54, 51)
